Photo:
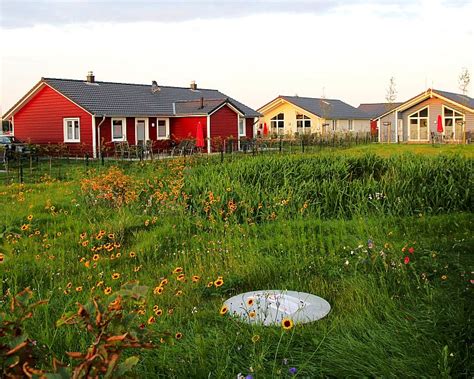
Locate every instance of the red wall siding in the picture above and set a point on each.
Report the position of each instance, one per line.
(105, 129)
(224, 123)
(40, 121)
(152, 130)
(131, 130)
(249, 127)
(186, 127)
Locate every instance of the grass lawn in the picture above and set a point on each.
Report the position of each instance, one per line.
(382, 232)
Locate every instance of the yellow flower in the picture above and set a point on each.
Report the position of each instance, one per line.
(83, 235)
(252, 314)
(151, 320)
(444, 277)
(177, 270)
(158, 312)
(158, 290)
(178, 293)
(115, 275)
(210, 284)
(178, 335)
(96, 257)
(132, 254)
(255, 338)
(108, 290)
(164, 282)
(287, 323)
(219, 282)
(181, 277)
(196, 278)
(79, 289)
(224, 310)
(2, 258)
(30, 217)
(25, 227)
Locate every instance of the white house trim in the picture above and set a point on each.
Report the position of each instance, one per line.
(230, 106)
(167, 121)
(94, 138)
(65, 121)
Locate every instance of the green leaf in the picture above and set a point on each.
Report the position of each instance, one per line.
(126, 366)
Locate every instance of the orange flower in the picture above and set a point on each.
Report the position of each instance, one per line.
(2, 258)
(219, 282)
(87, 264)
(210, 284)
(115, 275)
(250, 301)
(25, 227)
(108, 290)
(85, 243)
(177, 270)
(196, 278)
(151, 320)
(224, 310)
(83, 235)
(252, 314)
(96, 257)
(164, 282)
(79, 289)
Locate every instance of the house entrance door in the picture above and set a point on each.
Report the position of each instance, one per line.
(140, 132)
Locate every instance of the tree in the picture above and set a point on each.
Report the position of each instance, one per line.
(464, 81)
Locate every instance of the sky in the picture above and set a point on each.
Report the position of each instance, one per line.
(250, 50)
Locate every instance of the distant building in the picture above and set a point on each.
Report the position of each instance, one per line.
(84, 114)
(415, 120)
(288, 115)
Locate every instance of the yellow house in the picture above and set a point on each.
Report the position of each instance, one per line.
(290, 115)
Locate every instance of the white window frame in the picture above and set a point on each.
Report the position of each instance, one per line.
(350, 126)
(278, 125)
(334, 125)
(243, 123)
(167, 125)
(302, 121)
(453, 118)
(124, 129)
(65, 122)
(418, 119)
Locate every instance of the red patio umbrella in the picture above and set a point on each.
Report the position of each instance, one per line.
(265, 129)
(199, 135)
(440, 124)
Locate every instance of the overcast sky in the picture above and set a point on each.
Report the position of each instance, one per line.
(250, 50)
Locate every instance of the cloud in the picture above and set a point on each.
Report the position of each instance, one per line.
(26, 13)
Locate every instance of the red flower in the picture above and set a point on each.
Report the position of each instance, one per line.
(411, 250)
(407, 260)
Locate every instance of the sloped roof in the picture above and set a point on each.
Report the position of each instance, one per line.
(458, 98)
(376, 109)
(196, 107)
(328, 108)
(123, 99)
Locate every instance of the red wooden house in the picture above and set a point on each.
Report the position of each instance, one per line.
(86, 114)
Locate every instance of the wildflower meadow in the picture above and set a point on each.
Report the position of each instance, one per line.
(121, 269)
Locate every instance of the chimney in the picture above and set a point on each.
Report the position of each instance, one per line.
(154, 86)
(202, 102)
(194, 85)
(90, 77)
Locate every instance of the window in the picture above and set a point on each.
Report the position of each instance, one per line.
(72, 130)
(351, 126)
(418, 125)
(277, 124)
(303, 124)
(162, 128)
(119, 129)
(453, 123)
(242, 126)
(334, 125)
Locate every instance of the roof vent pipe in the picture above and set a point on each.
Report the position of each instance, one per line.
(202, 102)
(154, 86)
(194, 85)
(90, 77)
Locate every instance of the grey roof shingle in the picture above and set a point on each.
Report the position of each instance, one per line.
(458, 98)
(376, 109)
(121, 99)
(328, 108)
